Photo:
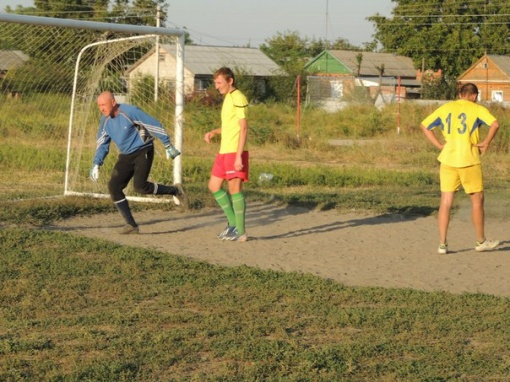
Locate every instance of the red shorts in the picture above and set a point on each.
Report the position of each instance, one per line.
(223, 166)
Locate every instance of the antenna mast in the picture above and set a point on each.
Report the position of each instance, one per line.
(327, 18)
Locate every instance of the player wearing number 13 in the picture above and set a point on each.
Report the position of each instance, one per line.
(460, 121)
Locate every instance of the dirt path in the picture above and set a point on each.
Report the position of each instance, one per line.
(353, 249)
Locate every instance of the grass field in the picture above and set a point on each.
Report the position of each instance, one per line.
(86, 310)
(77, 309)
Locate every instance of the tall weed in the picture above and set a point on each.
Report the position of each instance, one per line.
(35, 143)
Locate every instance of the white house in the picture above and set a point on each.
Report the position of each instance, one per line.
(200, 62)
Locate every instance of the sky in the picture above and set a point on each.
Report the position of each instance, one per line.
(251, 23)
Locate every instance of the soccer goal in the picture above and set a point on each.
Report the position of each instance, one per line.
(51, 72)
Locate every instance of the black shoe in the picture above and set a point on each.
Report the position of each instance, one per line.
(129, 229)
(182, 198)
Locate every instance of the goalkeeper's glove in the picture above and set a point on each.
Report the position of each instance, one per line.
(94, 173)
(171, 152)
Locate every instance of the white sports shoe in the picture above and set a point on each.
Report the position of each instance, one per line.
(443, 249)
(234, 236)
(486, 245)
(226, 232)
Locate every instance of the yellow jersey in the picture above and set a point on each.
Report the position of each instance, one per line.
(234, 108)
(459, 122)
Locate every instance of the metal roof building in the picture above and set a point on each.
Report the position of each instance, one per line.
(206, 59)
(346, 62)
(200, 62)
(10, 59)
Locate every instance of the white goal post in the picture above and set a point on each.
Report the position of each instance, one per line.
(86, 58)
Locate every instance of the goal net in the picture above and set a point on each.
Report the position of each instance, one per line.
(50, 76)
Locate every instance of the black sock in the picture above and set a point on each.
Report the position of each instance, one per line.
(125, 211)
(161, 189)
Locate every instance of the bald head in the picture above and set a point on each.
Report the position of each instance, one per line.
(107, 104)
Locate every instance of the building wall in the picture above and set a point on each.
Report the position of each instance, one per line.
(493, 84)
(166, 70)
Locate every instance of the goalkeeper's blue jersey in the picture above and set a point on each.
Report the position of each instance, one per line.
(122, 130)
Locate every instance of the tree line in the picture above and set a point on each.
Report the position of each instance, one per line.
(438, 34)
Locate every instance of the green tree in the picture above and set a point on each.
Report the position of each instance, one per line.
(316, 46)
(438, 87)
(71, 9)
(445, 34)
(140, 12)
(289, 51)
(135, 12)
(49, 50)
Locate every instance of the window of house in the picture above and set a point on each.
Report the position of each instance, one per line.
(497, 96)
(201, 84)
(337, 89)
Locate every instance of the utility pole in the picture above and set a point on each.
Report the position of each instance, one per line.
(327, 18)
(156, 71)
(485, 45)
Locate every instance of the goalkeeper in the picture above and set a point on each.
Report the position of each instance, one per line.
(133, 132)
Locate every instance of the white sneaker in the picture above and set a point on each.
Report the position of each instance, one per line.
(234, 236)
(486, 245)
(226, 232)
(443, 249)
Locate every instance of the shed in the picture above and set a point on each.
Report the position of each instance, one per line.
(384, 72)
(346, 62)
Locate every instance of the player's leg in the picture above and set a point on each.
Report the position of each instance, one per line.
(443, 218)
(223, 199)
(235, 188)
(143, 165)
(478, 215)
(449, 183)
(218, 175)
(120, 177)
(472, 181)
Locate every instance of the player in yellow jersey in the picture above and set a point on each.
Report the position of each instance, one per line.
(460, 122)
(231, 163)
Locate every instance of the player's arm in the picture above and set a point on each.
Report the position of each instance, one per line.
(484, 145)
(102, 145)
(153, 126)
(432, 137)
(210, 134)
(243, 134)
(102, 149)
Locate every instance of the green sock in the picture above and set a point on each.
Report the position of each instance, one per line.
(239, 206)
(223, 200)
